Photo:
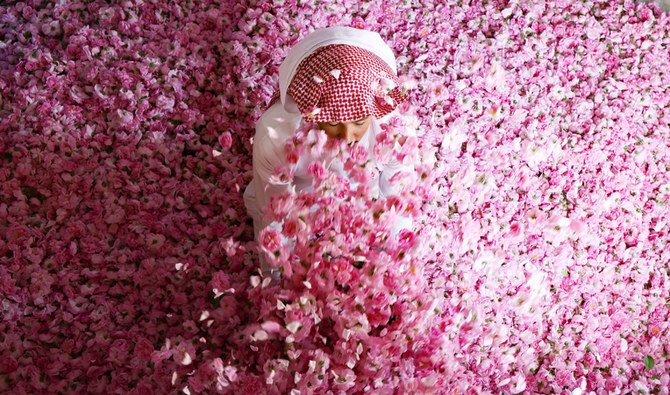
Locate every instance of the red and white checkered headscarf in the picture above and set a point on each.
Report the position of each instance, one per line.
(341, 83)
(340, 74)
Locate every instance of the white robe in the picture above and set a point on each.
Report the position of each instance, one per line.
(275, 126)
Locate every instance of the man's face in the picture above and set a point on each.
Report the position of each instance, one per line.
(349, 131)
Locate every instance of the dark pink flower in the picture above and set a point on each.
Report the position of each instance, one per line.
(226, 140)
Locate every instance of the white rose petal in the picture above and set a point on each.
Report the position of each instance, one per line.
(260, 335)
(185, 358)
(293, 326)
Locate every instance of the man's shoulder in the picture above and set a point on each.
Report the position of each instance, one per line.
(277, 118)
(275, 126)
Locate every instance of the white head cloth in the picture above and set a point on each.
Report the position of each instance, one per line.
(365, 39)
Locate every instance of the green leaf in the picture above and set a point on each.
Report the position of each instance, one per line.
(648, 362)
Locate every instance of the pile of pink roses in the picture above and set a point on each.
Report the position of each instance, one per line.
(126, 255)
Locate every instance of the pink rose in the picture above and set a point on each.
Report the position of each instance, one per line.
(226, 140)
(316, 170)
(271, 240)
(51, 28)
(359, 154)
(143, 349)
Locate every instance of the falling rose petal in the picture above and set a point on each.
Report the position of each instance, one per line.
(407, 83)
(260, 335)
(313, 113)
(271, 326)
(387, 84)
(293, 326)
(184, 357)
(266, 282)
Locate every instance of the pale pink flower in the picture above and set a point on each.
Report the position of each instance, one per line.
(52, 28)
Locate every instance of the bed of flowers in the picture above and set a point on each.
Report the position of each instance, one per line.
(538, 261)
